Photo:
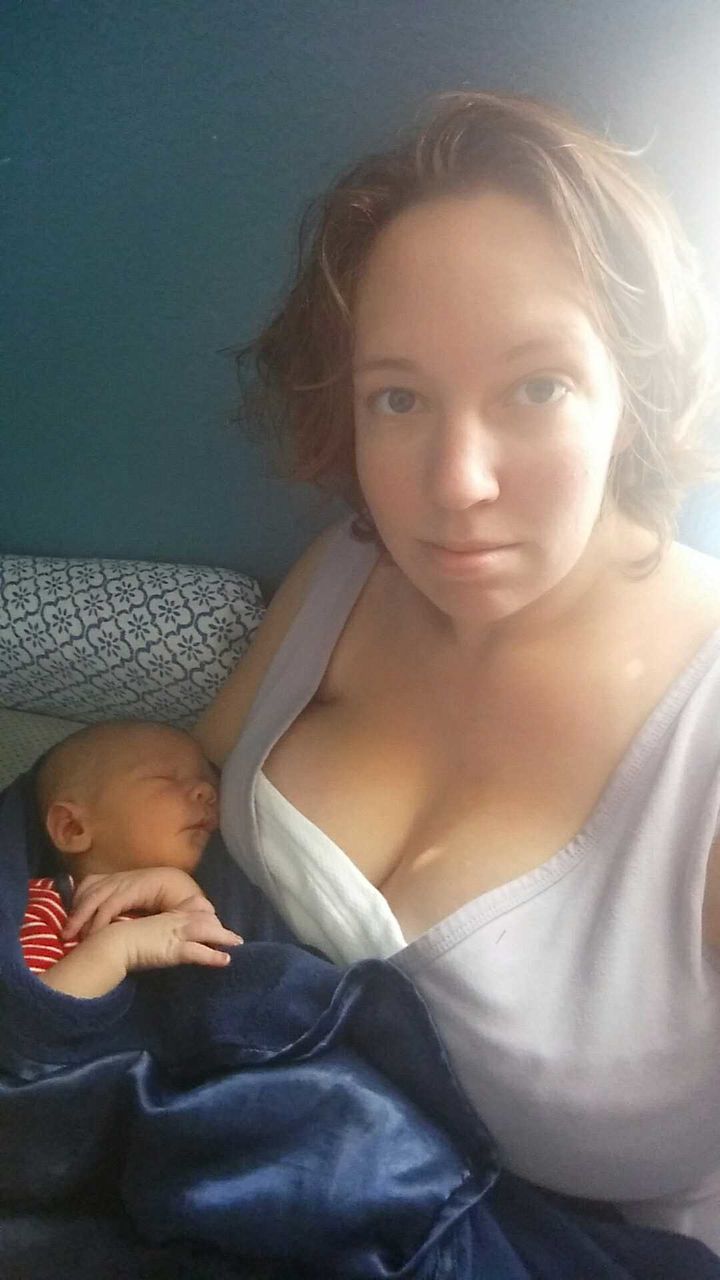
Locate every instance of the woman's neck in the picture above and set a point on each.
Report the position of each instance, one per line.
(586, 595)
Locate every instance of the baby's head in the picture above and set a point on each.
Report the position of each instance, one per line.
(127, 794)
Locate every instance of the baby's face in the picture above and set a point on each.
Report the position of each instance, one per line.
(158, 805)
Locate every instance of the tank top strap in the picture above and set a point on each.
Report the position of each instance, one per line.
(302, 659)
(289, 683)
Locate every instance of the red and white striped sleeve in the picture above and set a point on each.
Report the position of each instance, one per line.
(41, 938)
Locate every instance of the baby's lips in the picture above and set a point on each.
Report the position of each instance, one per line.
(206, 824)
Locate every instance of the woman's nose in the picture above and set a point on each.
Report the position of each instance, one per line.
(464, 464)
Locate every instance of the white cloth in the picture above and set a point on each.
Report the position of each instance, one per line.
(326, 900)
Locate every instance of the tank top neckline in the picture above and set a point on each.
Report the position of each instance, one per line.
(492, 903)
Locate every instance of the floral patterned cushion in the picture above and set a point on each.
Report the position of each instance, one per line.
(108, 639)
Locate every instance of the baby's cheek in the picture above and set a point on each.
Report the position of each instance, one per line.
(194, 848)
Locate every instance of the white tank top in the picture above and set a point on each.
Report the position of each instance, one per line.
(579, 1006)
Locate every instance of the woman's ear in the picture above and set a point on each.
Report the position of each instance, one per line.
(68, 827)
(626, 433)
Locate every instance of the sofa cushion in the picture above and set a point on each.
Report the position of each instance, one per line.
(91, 640)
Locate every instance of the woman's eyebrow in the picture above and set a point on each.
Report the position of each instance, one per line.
(559, 340)
(387, 362)
(565, 340)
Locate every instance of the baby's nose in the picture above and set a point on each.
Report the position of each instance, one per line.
(203, 790)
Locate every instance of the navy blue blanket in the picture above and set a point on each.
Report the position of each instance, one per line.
(280, 1118)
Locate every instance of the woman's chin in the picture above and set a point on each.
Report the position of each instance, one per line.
(478, 606)
(485, 586)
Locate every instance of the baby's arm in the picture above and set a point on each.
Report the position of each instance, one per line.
(100, 962)
(100, 899)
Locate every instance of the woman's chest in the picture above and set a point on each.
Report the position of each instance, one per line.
(443, 778)
(441, 791)
(594, 1069)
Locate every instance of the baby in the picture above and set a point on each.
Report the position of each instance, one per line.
(130, 806)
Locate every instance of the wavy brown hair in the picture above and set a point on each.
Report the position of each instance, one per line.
(639, 270)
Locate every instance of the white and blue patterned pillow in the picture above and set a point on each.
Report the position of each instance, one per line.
(109, 639)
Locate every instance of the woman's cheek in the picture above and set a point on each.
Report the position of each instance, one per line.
(575, 489)
(389, 482)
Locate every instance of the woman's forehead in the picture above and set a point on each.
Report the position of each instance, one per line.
(465, 270)
(464, 244)
(395, 339)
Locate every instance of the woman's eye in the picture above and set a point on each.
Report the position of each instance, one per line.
(540, 391)
(395, 400)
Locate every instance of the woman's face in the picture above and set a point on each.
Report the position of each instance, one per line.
(486, 404)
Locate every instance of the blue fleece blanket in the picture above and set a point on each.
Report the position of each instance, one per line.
(280, 1118)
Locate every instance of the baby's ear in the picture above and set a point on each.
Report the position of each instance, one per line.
(67, 827)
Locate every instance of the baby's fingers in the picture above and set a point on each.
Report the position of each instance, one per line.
(201, 927)
(196, 902)
(86, 904)
(206, 931)
(197, 953)
(203, 934)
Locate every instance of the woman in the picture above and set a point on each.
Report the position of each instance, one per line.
(478, 728)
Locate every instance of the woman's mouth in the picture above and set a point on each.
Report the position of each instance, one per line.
(468, 558)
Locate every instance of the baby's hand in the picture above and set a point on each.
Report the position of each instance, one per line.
(181, 936)
(100, 899)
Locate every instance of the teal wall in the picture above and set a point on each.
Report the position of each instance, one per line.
(155, 158)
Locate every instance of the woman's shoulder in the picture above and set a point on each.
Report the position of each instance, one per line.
(693, 584)
(219, 726)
